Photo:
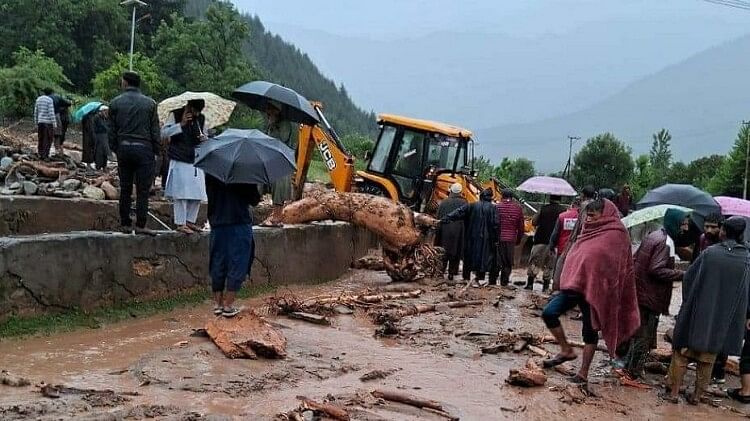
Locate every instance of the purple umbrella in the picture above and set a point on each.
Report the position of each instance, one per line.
(547, 185)
(733, 206)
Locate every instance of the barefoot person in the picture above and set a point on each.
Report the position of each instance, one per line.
(598, 278)
(714, 312)
(231, 244)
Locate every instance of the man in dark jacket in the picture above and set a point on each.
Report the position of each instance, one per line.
(510, 234)
(62, 115)
(134, 136)
(541, 258)
(654, 274)
(714, 312)
(480, 220)
(232, 248)
(450, 236)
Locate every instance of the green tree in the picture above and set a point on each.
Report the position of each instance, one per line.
(81, 35)
(603, 162)
(661, 156)
(701, 170)
(107, 82)
(206, 55)
(729, 179)
(643, 177)
(679, 173)
(357, 144)
(514, 171)
(483, 168)
(24, 81)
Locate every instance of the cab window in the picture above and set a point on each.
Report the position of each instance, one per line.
(379, 160)
(409, 155)
(442, 153)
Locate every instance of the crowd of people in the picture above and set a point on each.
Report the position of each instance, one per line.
(129, 127)
(584, 251)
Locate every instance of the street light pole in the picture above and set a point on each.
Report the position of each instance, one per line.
(134, 3)
(566, 171)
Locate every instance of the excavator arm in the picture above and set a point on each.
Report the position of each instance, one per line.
(338, 161)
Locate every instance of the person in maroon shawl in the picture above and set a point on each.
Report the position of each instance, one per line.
(598, 277)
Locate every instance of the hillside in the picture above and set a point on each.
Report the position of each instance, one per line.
(486, 79)
(701, 100)
(281, 62)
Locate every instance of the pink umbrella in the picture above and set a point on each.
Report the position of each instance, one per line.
(547, 185)
(733, 205)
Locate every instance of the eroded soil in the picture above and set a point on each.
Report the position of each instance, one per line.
(157, 367)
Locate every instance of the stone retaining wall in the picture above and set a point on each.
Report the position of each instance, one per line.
(87, 270)
(29, 215)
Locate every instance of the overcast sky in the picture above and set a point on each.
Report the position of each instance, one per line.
(397, 18)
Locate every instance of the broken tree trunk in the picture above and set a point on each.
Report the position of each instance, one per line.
(404, 258)
(309, 317)
(396, 315)
(413, 401)
(246, 335)
(329, 410)
(529, 376)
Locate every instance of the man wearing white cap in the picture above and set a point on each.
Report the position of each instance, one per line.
(450, 236)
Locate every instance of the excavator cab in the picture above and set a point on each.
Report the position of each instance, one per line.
(415, 162)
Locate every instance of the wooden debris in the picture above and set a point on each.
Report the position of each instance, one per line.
(376, 374)
(663, 355)
(327, 409)
(246, 335)
(656, 367)
(328, 304)
(369, 263)
(732, 366)
(8, 379)
(573, 394)
(396, 315)
(413, 401)
(528, 376)
(55, 391)
(309, 317)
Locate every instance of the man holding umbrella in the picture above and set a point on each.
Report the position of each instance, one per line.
(235, 162)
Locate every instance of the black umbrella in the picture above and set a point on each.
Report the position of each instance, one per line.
(245, 156)
(294, 107)
(685, 195)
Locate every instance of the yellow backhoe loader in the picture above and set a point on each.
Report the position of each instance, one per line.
(414, 161)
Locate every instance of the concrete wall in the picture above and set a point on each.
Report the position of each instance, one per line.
(87, 270)
(29, 215)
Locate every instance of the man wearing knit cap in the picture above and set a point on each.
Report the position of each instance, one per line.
(450, 236)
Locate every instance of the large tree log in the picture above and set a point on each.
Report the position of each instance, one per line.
(246, 335)
(404, 258)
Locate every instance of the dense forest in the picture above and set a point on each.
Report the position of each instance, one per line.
(79, 47)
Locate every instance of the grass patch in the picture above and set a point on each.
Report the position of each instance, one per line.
(76, 319)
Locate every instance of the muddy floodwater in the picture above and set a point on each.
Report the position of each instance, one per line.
(159, 368)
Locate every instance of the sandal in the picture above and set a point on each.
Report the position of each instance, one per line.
(230, 311)
(557, 360)
(184, 229)
(218, 310)
(735, 394)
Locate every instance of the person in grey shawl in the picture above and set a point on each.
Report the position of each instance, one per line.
(714, 312)
(450, 236)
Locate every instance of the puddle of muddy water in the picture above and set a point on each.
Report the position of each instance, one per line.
(432, 363)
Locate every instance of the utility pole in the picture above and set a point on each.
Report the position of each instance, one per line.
(566, 171)
(747, 160)
(135, 4)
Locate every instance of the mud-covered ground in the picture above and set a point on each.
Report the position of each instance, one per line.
(158, 368)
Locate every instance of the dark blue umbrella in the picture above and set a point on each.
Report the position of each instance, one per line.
(294, 107)
(245, 156)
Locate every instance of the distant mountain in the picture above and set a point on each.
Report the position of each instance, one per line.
(479, 79)
(701, 100)
(281, 62)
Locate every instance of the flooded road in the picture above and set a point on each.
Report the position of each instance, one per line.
(436, 355)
